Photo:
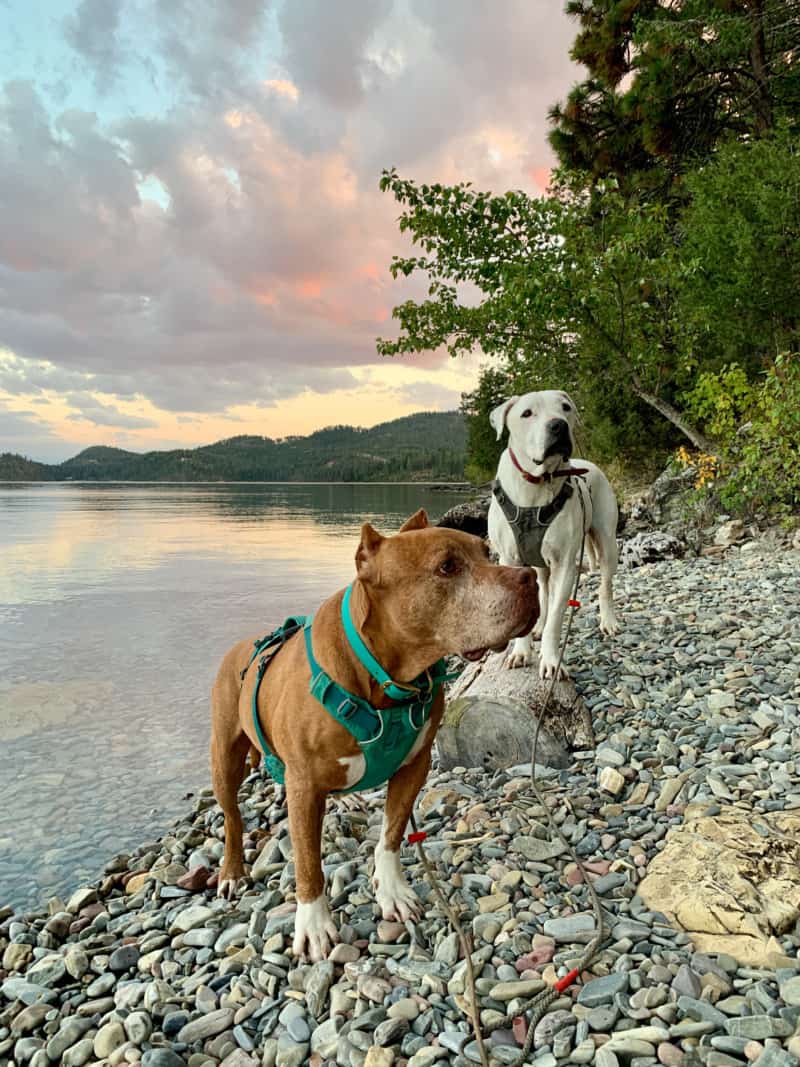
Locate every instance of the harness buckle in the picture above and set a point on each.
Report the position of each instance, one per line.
(347, 708)
(413, 689)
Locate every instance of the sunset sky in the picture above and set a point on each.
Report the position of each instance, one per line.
(192, 240)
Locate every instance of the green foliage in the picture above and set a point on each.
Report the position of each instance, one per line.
(740, 239)
(757, 426)
(668, 82)
(429, 446)
(659, 276)
(16, 468)
(720, 401)
(568, 291)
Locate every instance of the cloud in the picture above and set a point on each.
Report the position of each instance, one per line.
(90, 409)
(204, 229)
(92, 31)
(325, 45)
(430, 396)
(23, 433)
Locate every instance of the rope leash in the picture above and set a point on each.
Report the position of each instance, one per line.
(539, 1004)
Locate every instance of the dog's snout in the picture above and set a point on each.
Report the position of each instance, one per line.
(558, 427)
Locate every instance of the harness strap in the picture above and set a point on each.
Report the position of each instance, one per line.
(424, 684)
(396, 727)
(268, 647)
(529, 525)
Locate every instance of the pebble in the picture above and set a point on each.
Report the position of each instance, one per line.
(602, 990)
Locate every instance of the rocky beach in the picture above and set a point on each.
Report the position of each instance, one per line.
(685, 813)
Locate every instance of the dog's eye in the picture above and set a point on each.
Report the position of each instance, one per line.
(526, 414)
(448, 567)
(566, 407)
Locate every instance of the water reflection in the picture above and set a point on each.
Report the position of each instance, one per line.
(116, 604)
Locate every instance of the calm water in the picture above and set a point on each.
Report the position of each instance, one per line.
(116, 604)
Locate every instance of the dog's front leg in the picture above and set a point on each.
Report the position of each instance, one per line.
(314, 929)
(543, 585)
(562, 580)
(395, 897)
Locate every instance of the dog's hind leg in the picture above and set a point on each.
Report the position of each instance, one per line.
(254, 759)
(543, 584)
(228, 759)
(591, 560)
(607, 557)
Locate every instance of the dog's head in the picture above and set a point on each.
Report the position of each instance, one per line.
(540, 428)
(438, 593)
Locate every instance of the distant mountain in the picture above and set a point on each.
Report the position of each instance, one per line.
(429, 446)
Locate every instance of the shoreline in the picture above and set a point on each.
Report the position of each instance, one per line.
(435, 484)
(147, 965)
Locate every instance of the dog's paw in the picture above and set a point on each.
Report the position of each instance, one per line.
(609, 625)
(395, 897)
(549, 668)
(518, 659)
(315, 933)
(397, 900)
(348, 804)
(230, 888)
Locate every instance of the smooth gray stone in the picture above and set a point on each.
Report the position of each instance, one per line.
(602, 990)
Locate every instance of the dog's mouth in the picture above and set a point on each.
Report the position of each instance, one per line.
(556, 451)
(474, 654)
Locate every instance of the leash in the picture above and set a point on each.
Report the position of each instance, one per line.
(539, 1004)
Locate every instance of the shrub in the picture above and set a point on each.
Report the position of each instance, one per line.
(756, 425)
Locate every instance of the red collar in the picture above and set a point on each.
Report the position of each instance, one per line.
(537, 479)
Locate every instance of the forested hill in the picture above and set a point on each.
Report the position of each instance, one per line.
(429, 446)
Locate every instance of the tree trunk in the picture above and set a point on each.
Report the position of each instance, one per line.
(491, 714)
(760, 68)
(674, 416)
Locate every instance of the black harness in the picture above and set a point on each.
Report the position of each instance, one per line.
(529, 525)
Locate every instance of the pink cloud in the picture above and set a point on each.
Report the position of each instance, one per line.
(270, 242)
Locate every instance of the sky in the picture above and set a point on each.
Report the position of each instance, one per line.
(193, 244)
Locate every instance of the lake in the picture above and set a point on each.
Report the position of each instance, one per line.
(117, 602)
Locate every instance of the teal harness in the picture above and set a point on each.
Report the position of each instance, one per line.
(384, 735)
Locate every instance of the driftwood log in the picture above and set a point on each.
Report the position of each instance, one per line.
(491, 713)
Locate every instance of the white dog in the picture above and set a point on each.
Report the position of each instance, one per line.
(539, 512)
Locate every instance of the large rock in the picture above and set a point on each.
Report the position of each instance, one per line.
(471, 517)
(491, 716)
(730, 887)
(650, 548)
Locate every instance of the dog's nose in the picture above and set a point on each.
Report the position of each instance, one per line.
(527, 576)
(558, 428)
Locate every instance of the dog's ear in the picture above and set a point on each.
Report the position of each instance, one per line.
(418, 521)
(498, 416)
(368, 545)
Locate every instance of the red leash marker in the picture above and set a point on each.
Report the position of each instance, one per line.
(574, 603)
(418, 835)
(566, 981)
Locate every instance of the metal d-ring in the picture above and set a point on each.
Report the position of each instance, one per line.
(379, 735)
(411, 722)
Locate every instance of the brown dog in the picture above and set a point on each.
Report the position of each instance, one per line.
(421, 595)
